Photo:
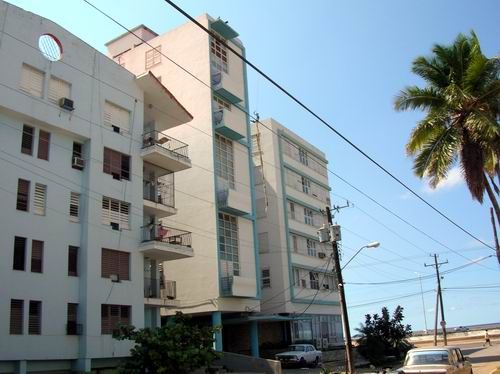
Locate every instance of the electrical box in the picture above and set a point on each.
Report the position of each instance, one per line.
(335, 233)
(324, 234)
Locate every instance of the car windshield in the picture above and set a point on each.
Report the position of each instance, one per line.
(427, 358)
(297, 348)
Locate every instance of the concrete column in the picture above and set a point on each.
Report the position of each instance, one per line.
(83, 365)
(21, 367)
(217, 321)
(254, 338)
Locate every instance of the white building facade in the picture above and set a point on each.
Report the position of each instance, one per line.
(216, 197)
(298, 285)
(86, 177)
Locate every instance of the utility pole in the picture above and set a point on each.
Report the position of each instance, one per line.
(440, 294)
(423, 302)
(343, 306)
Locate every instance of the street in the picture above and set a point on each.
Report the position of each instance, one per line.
(484, 360)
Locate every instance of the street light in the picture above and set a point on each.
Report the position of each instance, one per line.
(369, 245)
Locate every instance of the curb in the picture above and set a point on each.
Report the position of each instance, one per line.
(495, 371)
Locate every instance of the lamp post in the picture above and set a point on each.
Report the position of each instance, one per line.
(369, 245)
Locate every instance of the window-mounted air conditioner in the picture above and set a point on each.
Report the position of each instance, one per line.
(78, 163)
(114, 277)
(66, 103)
(321, 254)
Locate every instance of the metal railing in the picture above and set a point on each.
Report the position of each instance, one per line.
(169, 291)
(177, 148)
(159, 192)
(166, 234)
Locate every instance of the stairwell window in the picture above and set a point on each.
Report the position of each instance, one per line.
(153, 57)
(74, 207)
(116, 117)
(27, 140)
(23, 193)
(16, 316)
(224, 159)
(115, 213)
(266, 278)
(219, 55)
(116, 164)
(228, 244)
(39, 200)
(32, 80)
(37, 256)
(35, 318)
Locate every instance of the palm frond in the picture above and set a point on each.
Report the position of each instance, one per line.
(472, 164)
(431, 70)
(414, 97)
(426, 130)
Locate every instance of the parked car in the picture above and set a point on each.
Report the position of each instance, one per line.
(446, 360)
(300, 354)
(461, 329)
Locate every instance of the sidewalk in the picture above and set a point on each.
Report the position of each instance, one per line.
(486, 360)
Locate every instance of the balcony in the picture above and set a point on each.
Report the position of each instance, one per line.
(164, 151)
(236, 286)
(232, 201)
(229, 124)
(225, 87)
(159, 198)
(155, 295)
(164, 243)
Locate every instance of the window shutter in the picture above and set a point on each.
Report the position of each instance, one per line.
(43, 145)
(39, 201)
(124, 215)
(106, 219)
(115, 262)
(23, 191)
(114, 211)
(74, 207)
(105, 326)
(16, 316)
(19, 253)
(32, 80)
(35, 318)
(36, 256)
(107, 264)
(73, 261)
(58, 89)
(124, 265)
(106, 164)
(27, 140)
(116, 116)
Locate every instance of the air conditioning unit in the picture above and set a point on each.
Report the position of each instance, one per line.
(326, 287)
(115, 128)
(115, 226)
(78, 163)
(321, 254)
(114, 277)
(66, 103)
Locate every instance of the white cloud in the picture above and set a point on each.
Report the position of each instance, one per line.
(454, 178)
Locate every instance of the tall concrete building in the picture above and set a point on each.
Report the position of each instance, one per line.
(220, 284)
(298, 286)
(86, 176)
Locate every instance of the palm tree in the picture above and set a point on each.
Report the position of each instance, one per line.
(461, 100)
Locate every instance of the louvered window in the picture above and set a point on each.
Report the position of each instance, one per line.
(117, 164)
(19, 253)
(23, 191)
(16, 316)
(266, 278)
(74, 207)
(72, 327)
(36, 256)
(115, 213)
(72, 261)
(153, 57)
(27, 140)
(116, 117)
(58, 89)
(115, 263)
(43, 145)
(39, 200)
(112, 316)
(35, 318)
(32, 80)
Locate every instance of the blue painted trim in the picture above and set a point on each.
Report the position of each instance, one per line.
(300, 233)
(300, 202)
(285, 214)
(252, 189)
(226, 131)
(304, 146)
(223, 29)
(321, 184)
(217, 321)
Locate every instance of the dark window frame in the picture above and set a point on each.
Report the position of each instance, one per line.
(23, 197)
(19, 258)
(73, 254)
(27, 140)
(116, 164)
(35, 317)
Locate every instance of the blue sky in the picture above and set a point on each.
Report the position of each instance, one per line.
(347, 60)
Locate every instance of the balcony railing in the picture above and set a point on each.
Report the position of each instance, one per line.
(166, 234)
(175, 147)
(159, 192)
(153, 288)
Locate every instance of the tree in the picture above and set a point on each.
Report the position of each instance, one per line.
(462, 105)
(178, 347)
(383, 335)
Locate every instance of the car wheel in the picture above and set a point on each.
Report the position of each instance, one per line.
(316, 362)
(302, 362)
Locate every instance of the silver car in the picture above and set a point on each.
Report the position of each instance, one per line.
(436, 360)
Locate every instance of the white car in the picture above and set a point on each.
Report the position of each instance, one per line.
(300, 354)
(445, 360)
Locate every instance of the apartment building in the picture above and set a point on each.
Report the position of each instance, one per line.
(87, 176)
(292, 188)
(220, 284)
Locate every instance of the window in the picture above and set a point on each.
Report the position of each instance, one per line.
(32, 80)
(112, 316)
(314, 280)
(291, 210)
(228, 244)
(19, 253)
(116, 117)
(263, 242)
(219, 55)
(23, 192)
(153, 57)
(308, 216)
(35, 318)
(296, 278)
(16, 316)
(58, 89)
(224, 160)
(306, 185)
(311, 247)
(72, 320)
(39, 201)
(117, 164)
(27, 140)
(74, 207)
(115, 213)
(266, 278)
(36, 256)
(72, 261)
(43, 145)
(220, 103)
(303, 157)
(294, 243)
(115, 263)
